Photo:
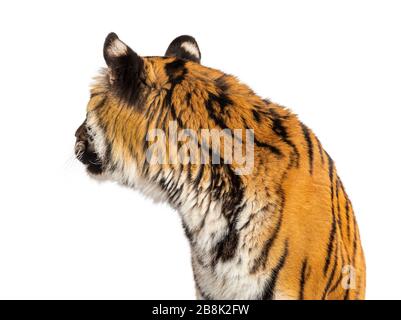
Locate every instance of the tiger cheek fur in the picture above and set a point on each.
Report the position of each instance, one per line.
(284, 230)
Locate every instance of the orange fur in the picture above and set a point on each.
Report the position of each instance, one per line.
(296, 187)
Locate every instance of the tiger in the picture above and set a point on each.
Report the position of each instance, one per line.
(285, 229)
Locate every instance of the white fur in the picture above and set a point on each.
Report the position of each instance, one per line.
(190, 48)
(117, 48)
(98, 136)
(230, 279)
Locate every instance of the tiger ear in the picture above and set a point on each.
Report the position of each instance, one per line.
(184, 47)
(124, 64)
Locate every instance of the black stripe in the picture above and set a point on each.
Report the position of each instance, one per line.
(320, 150)
(175, 118)
(222, 83)
(302, 279)
(187, 233)
(226, 248)
(354, 245)
(162, 114)
(346, 295)
(107, 155)
(176, 72)
(337, 283)
(222, 100)
(270, 147)
(333, 220)
(330, 245)
(268, 292)
(348, 222)
(199, 176)
(188, 98)
(346, 261)
(251, 216)
(214, 115)
(100, 104)
(153, 106)
(256, 115)
(282, 133)
(331, 277)
(354, 250)
(308, 139)
(260, 261)
(330, 280)
(145, 146)
(266, 101)
(177, 191)
(95, 94)
(340, 224)
(347, 209)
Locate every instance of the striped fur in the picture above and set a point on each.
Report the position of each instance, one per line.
(286, 230)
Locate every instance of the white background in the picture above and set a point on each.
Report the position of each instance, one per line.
(337, 64)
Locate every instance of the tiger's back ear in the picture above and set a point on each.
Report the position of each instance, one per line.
(124, 66)
(184, 47)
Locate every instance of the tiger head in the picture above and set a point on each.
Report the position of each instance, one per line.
(135, 95)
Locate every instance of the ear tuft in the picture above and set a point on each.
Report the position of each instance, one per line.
(184, 47)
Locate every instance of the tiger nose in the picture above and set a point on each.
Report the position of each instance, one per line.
(81, 135)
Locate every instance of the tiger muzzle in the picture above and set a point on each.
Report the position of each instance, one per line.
(85, 152)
